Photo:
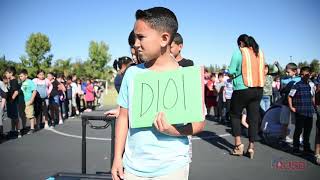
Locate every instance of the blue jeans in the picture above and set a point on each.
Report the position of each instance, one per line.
(265, 103)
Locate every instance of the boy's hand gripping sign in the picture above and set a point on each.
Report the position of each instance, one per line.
(179, 94)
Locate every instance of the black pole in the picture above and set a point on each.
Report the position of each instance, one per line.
(84, 150)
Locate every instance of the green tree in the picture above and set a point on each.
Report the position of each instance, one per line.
(37, 47)
(63, 66)
(98, 55)
(211, 68)
(302, 64)
(315, 66)
(4, 64)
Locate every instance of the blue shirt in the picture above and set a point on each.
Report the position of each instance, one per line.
(27, 88)
(118, 81)
(229, 89)
(149, 153)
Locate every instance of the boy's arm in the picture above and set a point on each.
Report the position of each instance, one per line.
(50, 86)
(163, 126)
(121, 131)
(293, 109)
(291, 94)
(15, 94)
(34, 93)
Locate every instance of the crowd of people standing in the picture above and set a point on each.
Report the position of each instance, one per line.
(45, 101)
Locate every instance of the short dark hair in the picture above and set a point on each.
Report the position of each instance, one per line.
(40, 71)
(11, 69)
(53, 74)
(305, 69)
(131, 39)
(69, 77)
(59, 75)
(160, 19)
(23, 71)
(292, 66)
(220, 75)
(117, 64)
(178, 39)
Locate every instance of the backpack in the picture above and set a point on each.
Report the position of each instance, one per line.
(285, 93)
(69, 93)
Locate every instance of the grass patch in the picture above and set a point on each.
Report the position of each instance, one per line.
(110, 99)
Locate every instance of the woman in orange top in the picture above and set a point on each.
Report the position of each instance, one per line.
(247, 70)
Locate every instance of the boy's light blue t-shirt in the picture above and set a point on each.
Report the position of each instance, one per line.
(149, 153)
(27, 88)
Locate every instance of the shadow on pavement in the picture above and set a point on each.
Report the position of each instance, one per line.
(214, 139)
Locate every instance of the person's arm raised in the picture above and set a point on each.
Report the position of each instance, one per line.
(121, 131)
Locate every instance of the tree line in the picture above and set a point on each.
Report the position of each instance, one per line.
(38, 56)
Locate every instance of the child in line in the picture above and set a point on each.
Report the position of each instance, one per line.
(12, 101)
(317, 139)
(301, 102)
(3, 96)
(220, 87)
(89, 96)
(29, 91)
(54, 100)
(286, 115)
(43, 87)
(211, 94)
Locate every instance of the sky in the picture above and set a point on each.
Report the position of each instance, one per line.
(286, 30)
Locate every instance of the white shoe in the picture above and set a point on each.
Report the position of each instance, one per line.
(46, 126)
(301, 140)
(317, 156)
(60, 122)
(19, 134)
(77, 113)
(288, 139)
(51, 127)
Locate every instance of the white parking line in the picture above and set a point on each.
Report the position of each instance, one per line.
(108, 139)
(79, 137)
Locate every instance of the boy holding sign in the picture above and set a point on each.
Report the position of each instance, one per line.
(160, 151)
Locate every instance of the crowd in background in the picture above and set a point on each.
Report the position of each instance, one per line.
(46, 100)
(277, 92)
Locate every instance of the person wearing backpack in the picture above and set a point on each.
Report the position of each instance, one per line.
(247, 70)
(286, 116)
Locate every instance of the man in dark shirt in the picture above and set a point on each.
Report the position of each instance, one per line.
(12, 100)
(176, 47)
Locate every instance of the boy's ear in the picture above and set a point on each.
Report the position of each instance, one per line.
(180, 46)
(165, 38)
